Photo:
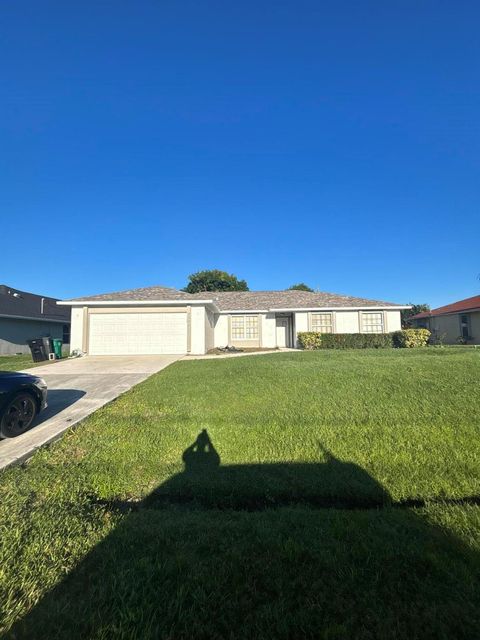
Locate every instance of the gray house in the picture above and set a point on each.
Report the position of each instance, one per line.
(455, 323)
(24, 316)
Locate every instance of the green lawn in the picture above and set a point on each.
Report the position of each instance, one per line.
(296, 522)
(17, 363)
(23, 361)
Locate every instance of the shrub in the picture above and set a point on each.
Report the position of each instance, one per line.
(408, 338)
(437, 339)
(356, 341)
(312, 340)
(309, 340)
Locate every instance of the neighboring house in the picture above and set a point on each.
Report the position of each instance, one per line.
(24, 316)
(157, 320)
(454, 323)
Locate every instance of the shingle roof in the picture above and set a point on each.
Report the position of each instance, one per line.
(143, 294)
(243, 300)
(14, 302)
(253, 300)
(468, 304)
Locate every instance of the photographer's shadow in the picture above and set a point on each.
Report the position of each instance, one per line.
(209, 533)
(204, 481)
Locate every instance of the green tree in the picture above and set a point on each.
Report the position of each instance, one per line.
(408, 313)
(301, 286)
(214, 280)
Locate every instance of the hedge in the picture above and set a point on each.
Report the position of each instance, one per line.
(407, 338)
(312, 340)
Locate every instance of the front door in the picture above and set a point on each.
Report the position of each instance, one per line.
(282, 332)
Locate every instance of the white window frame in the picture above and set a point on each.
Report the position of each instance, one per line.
(321, 326)
(243, 318)
(366, 328)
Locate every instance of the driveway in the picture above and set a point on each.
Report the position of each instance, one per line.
(77, 388)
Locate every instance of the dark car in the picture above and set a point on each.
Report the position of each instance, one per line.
(22, 397)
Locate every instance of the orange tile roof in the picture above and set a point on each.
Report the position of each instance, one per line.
(469, 304)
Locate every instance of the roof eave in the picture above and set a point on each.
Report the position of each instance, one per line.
(451, 313)
(59, 320)
(329, 308)
(338, 308)
(89, 303)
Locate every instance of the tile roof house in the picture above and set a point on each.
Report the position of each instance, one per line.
(156, 320)
(24, 316)
(458, 322)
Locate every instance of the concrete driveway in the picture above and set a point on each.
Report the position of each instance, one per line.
(77, 388)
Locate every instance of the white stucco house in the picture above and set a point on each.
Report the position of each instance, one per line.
(161, 320)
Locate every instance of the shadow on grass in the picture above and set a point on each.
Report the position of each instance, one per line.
(242, 551)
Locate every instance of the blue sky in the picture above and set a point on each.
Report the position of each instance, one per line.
(335, 143)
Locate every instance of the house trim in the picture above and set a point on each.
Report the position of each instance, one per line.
(332, 308)
(121, 303)
(36, 318)
(86, 330)
(189, 329)
(152, 309)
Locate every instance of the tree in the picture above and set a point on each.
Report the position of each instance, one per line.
(214, 280)
(408, 313)
(301, 286)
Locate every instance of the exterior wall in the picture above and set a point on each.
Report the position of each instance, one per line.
(76, 330)
(448, 327)
(268, 331)
(346, 322)
(14, 333)
(198, 321)
(221, 330)
(475, 327)
(209, 330)
(393, 321)
(300, 324)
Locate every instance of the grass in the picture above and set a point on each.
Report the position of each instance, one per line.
(17, 363)
(294, 524)
(22, 361)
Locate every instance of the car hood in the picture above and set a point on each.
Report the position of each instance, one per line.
(18, 376)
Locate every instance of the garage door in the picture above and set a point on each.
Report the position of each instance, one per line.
(137, 333)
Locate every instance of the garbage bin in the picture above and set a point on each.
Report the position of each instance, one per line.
(57, 347)
(38, 349)
(48, 345)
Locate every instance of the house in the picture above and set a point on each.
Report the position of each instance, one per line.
(458, 322)
(156, 320)
(24, 316)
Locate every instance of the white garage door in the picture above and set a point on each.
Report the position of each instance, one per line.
(119, 334)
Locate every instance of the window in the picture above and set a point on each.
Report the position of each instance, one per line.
(322, 322)
(244, 327)
(372, 322)
(464, 326)
(66, 334)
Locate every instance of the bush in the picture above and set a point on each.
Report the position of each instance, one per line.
(312, 340)
(356, 341)
(408, 338)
